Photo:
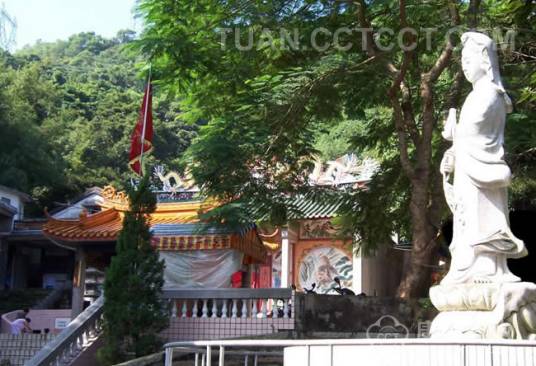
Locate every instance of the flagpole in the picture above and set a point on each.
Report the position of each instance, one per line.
(145, 119)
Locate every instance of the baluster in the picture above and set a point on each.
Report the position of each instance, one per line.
(224, 309)
(173, 309)
(97, 325)
(184, 309)
(214, 310)
(195, 309)
(264, 303)
(254, 309)
(285, 309)
(72, 348)
(64, 355)
(234, 309)
(80, 342)
(205, 309)
(244, 309)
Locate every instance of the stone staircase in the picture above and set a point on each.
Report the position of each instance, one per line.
(17, 349)
(76, 344)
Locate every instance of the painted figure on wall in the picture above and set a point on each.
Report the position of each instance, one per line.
(321, 265)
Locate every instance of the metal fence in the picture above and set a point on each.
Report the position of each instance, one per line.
(377, 352)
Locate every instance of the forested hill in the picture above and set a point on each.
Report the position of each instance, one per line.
(67, 110)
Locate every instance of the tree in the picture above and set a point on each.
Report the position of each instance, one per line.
(265, 100)
(67, 110)
(28, 161)
(132, 323)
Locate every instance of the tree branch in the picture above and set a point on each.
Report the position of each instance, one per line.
(402, 140)
(365, 23)
(427, 94)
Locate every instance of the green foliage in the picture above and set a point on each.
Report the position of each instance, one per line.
(27, 159)
(132, 323)
(67, 111)
(518, 66)
(270, 109)
(335, 141)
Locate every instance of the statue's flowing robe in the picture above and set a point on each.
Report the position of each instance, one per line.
(481, 178)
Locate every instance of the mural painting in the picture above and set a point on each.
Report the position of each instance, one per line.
(321, 265)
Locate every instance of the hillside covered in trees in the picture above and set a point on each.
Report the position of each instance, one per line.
(67, 110)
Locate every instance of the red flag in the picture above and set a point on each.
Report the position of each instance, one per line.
(142, 132)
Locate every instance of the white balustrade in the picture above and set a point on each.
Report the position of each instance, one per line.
(234, 310)
(184, 309)
(230, 303)
(173, 309)
(72, 340)
(254, 310)
(264, 308)
(224, 309)
(205, 309)
(244, 309)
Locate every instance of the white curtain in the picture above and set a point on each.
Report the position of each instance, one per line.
(201, 268)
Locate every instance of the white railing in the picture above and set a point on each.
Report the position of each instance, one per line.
(222, 313)
(67, 345)
(230, 303)
(342, 352)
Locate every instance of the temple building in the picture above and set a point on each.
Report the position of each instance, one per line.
(308, 253)
(74, 245)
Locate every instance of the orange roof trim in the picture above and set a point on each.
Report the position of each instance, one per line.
(104, 226)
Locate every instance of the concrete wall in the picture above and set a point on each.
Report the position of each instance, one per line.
(381, 273)
(40, 319)
(355, 315)
(191, 329)
(3, 263)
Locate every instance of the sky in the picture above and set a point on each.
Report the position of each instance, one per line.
(50, 20)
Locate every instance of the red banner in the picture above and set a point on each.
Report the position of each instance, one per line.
(144, 127)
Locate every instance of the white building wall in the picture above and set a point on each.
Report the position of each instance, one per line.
(15, 201)
(379, 273)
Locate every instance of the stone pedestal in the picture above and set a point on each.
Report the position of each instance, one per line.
(485, 311)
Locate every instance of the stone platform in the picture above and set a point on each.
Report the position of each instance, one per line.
(411, 352)
(485, 311)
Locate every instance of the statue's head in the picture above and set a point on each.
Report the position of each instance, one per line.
(480, 60)
(479, 57)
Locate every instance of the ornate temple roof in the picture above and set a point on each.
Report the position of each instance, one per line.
(175, 226)
(346, 170)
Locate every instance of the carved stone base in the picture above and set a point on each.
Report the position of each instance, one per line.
(485, 311)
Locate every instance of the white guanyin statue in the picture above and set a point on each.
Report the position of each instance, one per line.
(480, 298)
(482, 240)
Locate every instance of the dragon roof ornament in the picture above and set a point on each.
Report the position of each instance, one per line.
(343, 171)
(172, 182)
